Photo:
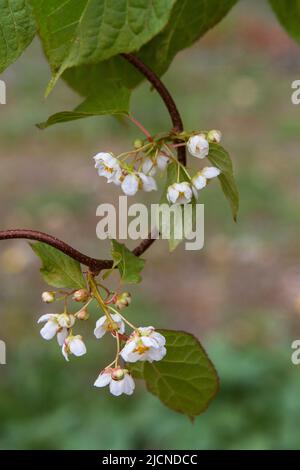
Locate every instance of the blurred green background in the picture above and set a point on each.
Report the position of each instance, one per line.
(240, 295)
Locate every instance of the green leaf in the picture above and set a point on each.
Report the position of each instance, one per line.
(221, 159)
(189, 21)
(128, 264)
(174, 225)
(185, 380)
(288, 14)
(86, 79)
(136, 369)
(76, 32)
(111, 98)
(17, 29)
(58, 269)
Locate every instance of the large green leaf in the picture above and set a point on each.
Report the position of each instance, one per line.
(185, 380)
(58, 269)
(111, 98)
(17, 29)
(76, 32)
(128, 264)
(189, 21)
(221, 159)
(288, 13)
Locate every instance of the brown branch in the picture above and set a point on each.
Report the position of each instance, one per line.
(96, 265)
(165, 95)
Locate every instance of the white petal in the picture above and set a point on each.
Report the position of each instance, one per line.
(129, 384)
(162, 162)
(172, 194)
(149, 183)
(62, 335)
(130, 185)
(65, 352)
(149, 168)
(46, 317)
(101, 321)
(77, 347)
(160, 339)
(127, 350)
(116, 387)
(49, 330)
(121, 325)
(100, 332)
(115, 176)
(146, 330)
(149, 342)
(157, 354)
(199, 181)
(188, 192)
(104, 157)
(210, 172)
(103, 379)
(100, 329)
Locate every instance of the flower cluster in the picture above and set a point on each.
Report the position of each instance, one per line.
(130, 178)
(137, 169)
(142, 344)
(182, 192)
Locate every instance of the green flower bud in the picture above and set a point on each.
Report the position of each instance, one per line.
(138, 143)
(122, 300)
(214, 136)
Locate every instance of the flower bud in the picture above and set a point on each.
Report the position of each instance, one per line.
(118, 374)
(122, 300)
(48, 297)
(81, 295)
(83, 314)
(138, 143)
(214, 136)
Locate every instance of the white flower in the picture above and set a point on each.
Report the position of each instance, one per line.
(119, 381)
(198, 146)
(200, 179)
(104, 324)
(66, 320)
(55, 324)
(149, 167)
(145, 344)
(108, 166)
(130, 185)
(51, 326)
(210, 172)
(179, 193)
(73, 345)
(214, 136)
(162, 162)
(148, 182)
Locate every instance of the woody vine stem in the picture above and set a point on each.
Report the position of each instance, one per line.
(96, 265)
